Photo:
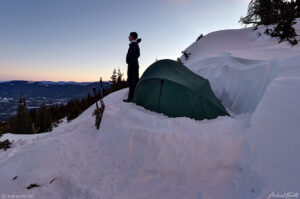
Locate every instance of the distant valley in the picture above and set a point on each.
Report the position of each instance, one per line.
(37, 93)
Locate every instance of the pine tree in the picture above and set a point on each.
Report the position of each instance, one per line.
(44, 122)
(281, 13)
(114, 76)
(121, 83)
(33, 116)
(252, 16)
(286, 14)
(23, 123)
(263, 12)
(119, 76)
(113, 81)
(297, 7)
(266, 12)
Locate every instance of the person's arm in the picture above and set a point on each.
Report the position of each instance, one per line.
(133, 54)
(136, 52)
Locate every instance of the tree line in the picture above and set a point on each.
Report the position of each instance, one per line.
(281, 14)
(48, 116)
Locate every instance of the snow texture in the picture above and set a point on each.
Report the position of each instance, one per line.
(141, 154)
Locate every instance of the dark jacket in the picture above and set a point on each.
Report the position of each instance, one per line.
(133, 64)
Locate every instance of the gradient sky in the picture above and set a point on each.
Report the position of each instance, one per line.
(81, 40)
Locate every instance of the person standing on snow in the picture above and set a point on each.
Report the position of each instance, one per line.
(133, 64)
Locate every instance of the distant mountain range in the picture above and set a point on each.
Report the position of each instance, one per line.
(51, 82)
(64, 83)
(39, 92)
(47, 88)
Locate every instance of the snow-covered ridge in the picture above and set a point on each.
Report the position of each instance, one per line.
(142, 154)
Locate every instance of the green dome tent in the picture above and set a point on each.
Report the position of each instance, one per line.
(170, 88)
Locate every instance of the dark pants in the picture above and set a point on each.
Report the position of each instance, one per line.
(131, 92)
(133, 78)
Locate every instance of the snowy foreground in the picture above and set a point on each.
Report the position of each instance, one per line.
(255, 153)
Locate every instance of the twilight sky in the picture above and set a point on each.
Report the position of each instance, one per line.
(81, 40)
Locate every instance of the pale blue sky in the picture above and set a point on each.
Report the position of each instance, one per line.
(79, 40)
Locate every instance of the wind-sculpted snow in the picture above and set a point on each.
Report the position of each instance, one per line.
(239, 83)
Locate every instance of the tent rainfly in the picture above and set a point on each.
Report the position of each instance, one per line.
(170, 88)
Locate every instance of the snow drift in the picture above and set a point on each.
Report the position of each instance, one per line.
(142, 154)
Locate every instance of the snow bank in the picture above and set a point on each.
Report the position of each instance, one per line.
(239, 83)
(262, 78)
(275, 130)
(137, 153)
(183, 159)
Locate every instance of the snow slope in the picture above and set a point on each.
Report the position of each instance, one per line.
(142, 154)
